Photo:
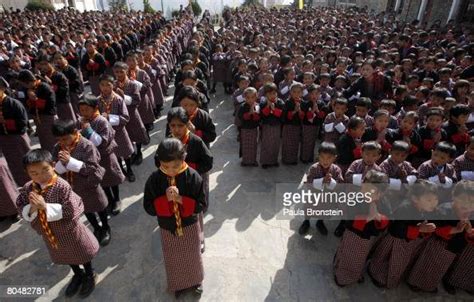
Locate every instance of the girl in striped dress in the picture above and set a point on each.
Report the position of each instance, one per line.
(41, 101)
(461, 272)
(175, 195)
(54, 211)
(271, 116)
(464, 164)
(14, 142)
(8, 193)
(452, 232)
(77, 161)
(114, 109)
(411, 222)
(249, 114)
(198, 155)
(130, 91)
(361, 232)
(291, 134)
(98, 130)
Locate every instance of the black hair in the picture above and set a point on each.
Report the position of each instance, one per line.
(243, 78)
(459, 109)
(388, 103)
(376, 177)
(313, 87)
(440, 92)
(89, 100)
(178, 113)
(186, 63)
(364, 102)
(402, 146)
(269, 87)
(170, 149)
(37, 156)
(409, 100)
(355, 122)
(63, 127)
(189, 74)
(120, 65)
(447, 148)
(107, 78)
(463, 187)
(26, 76)
(371, 146)
(190, 93)
(296, 85)
(435, 111)
(341, 101)
(381, 112)
(327, 147)
(422, 187)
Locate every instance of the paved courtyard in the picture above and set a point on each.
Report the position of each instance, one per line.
(250, 254)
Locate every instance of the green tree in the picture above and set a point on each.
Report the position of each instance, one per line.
(197, 10)
(118, 5)
(39, 5)
(251, 2)
(147, 8)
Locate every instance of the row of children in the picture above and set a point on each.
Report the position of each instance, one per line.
(81, 171)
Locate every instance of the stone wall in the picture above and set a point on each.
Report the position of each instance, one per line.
(410, 10)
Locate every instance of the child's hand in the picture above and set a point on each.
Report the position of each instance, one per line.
(37, 200)
(85, 125)
(31, 95)
(437, 137)
(426, 227)
(463, 129)
(442, 178)
(105, 115)
(64, 157)
(191, 127)
(459, 228)
(327, 178)
(119, 92)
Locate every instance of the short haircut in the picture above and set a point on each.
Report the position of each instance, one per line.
(63, 127)
(190, 93)
(36, 156)
(376, 177)
(447, 148)
(371, 146)
(177, 113)
(120, 65)
(435, 111)
(170, 149)
(269, 87)
(459, 109)
(355, 122)
(364, 102)
(380, 113)
(89, 100)
(341, 101)
(388, 103)
(402, 146)
(106, 78)
(327, 147)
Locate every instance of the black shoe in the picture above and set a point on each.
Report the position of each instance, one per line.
(304, 227)
(131, 176)
(321, 227)
(337, 283)
(198, 290)
(203, 247)
(449, 288)
(105, 236)
(116, 208)
(361, 280)
(339, 231)
(178, 293)
(265, 166)
(137, 159)
(74, 285)
(88, 285)
(14, 218)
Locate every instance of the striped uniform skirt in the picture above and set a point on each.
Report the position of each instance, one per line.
(93, 198)
(8, 191)
(113, 173)
(75, 102)
(308, 141)
(124, 145)
(43, 129)
(14, 147)
(270, 147)
(146, 110)
(391, 259)
(158, 94)
(248, 145)
(76, 245)
(431, 265)
(65, 112)
(462, 273)
(291, 137)
(351, 256)
(94, 84)
(135, 128)
(182, 256)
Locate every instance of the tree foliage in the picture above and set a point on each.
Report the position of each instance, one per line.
(39, 5)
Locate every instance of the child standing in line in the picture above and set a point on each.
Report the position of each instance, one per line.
(54, 211)
(349, 146)
(249, 114)
(311, 123)
(271, 116)
(174, 194)
(335, 123)
(291, 135)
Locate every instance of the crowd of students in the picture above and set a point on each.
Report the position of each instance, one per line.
(389, 107)
(90, 142)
